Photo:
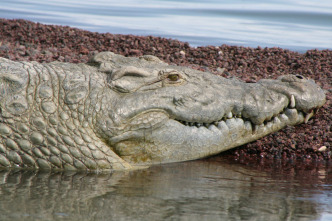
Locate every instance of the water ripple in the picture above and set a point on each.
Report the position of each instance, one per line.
(296, 25)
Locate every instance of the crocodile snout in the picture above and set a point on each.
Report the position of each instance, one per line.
(303, 93)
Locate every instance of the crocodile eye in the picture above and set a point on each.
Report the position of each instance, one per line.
(173, 77)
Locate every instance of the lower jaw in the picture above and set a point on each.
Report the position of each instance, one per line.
(175, 142)
(241, 131)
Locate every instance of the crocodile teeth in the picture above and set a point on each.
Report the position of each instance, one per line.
(288, 114)
(292, 102)
(308, 116)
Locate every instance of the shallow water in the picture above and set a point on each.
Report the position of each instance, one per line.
(293, 24)
(214, 189)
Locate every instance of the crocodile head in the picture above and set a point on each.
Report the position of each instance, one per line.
(160, 113)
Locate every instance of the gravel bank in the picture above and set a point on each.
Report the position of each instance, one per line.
(307, 143)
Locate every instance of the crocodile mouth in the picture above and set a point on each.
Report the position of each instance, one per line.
(156, 118)
(289, 116)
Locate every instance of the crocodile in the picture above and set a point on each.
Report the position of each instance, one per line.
(119, 113)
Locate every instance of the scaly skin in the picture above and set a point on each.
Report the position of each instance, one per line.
(120, 113)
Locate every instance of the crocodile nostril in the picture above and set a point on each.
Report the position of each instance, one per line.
(178, 100)
(299, 76)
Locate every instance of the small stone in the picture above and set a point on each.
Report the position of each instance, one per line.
(322, 149)
(221, 70)
(134, 52)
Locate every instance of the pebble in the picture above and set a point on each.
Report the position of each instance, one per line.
(322, 149)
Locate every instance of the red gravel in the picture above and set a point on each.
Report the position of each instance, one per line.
(26, 41)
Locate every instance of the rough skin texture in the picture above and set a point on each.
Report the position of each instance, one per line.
(118, 112)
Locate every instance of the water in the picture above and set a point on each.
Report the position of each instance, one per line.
(213, 189)
(293, 24)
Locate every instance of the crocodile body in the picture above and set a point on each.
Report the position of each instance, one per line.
(119, 113)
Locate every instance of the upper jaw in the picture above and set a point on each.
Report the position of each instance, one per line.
(256, 103)
(287, 107)
(156, 118)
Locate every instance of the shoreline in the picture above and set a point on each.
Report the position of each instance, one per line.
(23, 40)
